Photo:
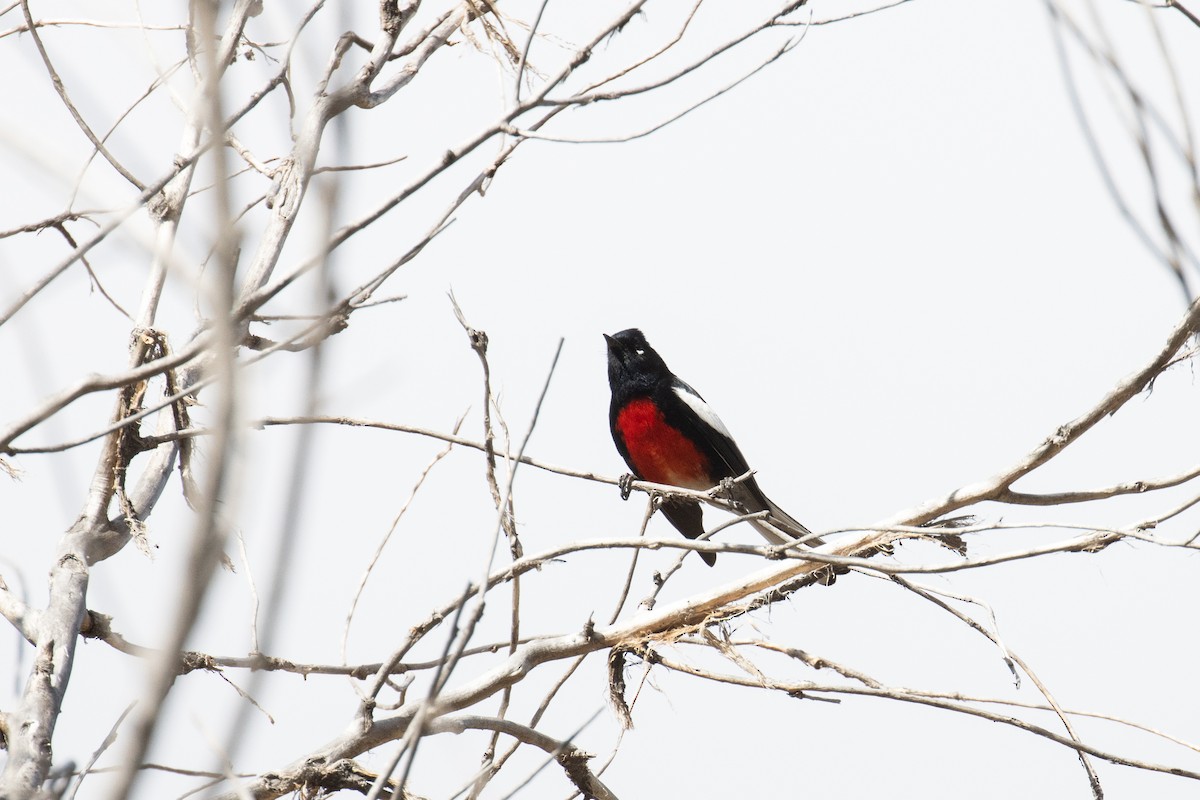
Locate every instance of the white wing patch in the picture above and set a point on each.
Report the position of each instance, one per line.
(696, 403)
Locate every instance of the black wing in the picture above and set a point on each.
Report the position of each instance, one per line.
(700, 423)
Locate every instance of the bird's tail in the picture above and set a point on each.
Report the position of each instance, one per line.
(780, 528)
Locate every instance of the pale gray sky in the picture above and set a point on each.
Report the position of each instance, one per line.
(888, 260)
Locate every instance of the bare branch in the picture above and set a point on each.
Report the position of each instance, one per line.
(32, 28)
(1123, 392)
(573, 760)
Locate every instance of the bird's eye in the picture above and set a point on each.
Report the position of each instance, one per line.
(640, 352)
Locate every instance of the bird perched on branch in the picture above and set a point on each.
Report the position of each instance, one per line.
(667, 434)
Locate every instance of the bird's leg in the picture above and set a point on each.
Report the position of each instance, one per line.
(625, 484)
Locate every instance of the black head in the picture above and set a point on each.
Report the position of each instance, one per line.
(633, 365)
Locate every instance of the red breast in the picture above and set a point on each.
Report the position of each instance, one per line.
(660, 453)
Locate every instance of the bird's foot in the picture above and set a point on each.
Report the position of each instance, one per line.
(724, 489)
(625, 484)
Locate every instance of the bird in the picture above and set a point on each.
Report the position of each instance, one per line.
(668, 434)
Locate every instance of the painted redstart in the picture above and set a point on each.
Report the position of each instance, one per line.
(667, 434)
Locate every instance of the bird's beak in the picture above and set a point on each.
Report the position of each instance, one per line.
(615, 348)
